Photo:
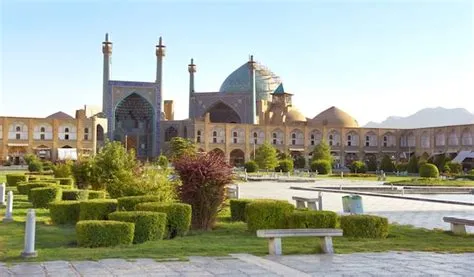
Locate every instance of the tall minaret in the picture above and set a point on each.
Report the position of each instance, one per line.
(191, 70)
(253, 107)
(107, 51)
(160, 53)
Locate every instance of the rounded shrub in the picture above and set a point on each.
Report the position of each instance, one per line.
(148, 225)
(102, 233)
(96, 194)
(97, 209)
(35, 166)
(66, 181)
(128, 203)
(14, 179)
(322, 166)
(41, 197)
(237, 209)
(267, 214)
(312, 219)
(251, 166)
(364, 226)
(285, 166)
(429, 171)
(64, 212)
(358, 167)
(75, 194)
(178, 216)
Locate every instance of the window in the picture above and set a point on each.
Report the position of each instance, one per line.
(42, 130)
(66, 136)
(17, 136)
(385, 141)
(293, 139)
(214, 137)
(170, 133)
(18, 128)
(331, 137)
(198, 137)
(274, 141)
(312, 139)
(42, 137)
(349, 142)
(86, 133)
(235, 137)
(66, 130)
(367, 141)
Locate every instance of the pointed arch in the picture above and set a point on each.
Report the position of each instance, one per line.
(237, 157)
(170, 132)
(466, 137)
(220, 112)
(297, 137)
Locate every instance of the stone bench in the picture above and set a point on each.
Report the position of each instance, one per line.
(274, 237)
(233, 191)
(310, 203)
(458, 225)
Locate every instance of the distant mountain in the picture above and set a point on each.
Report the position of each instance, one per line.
(430, 117)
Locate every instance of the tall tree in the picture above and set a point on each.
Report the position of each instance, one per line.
(181, 147)
(266, 156)
(322, 151)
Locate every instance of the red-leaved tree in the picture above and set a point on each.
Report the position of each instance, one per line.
(203, 178)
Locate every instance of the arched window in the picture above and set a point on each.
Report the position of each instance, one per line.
(214, 137)
(453, 139)
(170, 133)
(331, 138)
(42, 133)
(18, 128)
(100, 133)
(315, 137)
(42, 130)
(198, 136)
(235, 137)
(274, 136)
(66, 133)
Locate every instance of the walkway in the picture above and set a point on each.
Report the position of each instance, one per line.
(418, 213)
(361, 264)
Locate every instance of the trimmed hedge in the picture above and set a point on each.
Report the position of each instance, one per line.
(364, 226)
(96, 194)
(66, 181)
(102, 233)
(312, 219)
(30, 186)
(97, 209)
(429, 171)
(251, 166)
(22, 188)
(178, 216)
(41, 197)
(237, 209)
(75, 194)
(148, 225)
(128, 203)
(267, 214)
(64, 212)
(14, 179)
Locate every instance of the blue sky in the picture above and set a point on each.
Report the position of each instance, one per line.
(372, 59)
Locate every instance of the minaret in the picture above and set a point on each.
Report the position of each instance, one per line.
(160, 53)
(191, 70)
(107, 51)
(253, 109)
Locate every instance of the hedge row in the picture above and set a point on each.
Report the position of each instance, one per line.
(128, 203)
(148, 225)
(178, 216)
(64, 212)
(364, 226)
(96, 194)
(75, 194)
(41, 197)
(14, 179)
(66, 181)
(237, 209)
(101, 233)
(312, 219)
(97, 209)
(267, 214)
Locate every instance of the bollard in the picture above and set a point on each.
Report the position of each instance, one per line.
(320, 201)
(30, 230)
(2, 194)
(9, 212)
(237, 192)
(342, 174)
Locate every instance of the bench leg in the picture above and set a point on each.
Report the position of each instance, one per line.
(300, 204)
(326, 245)
(459, 229)
(274, 246)
(312, 206)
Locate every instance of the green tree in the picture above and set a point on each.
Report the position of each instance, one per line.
(163, 161)
(387, 164)
(322, 151)
(299, 161)
(266, 157)
(372, 163)
(179, 147)
(412, 166)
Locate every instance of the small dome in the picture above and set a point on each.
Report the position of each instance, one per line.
(60, 115)
(266, 82)
(335, 117)
(294, 115)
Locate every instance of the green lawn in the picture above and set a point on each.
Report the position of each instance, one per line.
(58, 242)
(434, 182)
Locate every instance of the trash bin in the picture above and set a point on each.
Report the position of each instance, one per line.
(346, 202)
(356, 204)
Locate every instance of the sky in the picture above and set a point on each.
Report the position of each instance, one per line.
(372, 59)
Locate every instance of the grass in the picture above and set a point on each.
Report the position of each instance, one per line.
(59, 242)
(434, 182)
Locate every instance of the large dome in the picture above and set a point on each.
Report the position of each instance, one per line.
(335, 117)
(239, 81)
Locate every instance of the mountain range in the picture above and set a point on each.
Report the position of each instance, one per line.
(429, 117)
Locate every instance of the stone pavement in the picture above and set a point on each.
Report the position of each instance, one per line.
(417, 213)
(360, 264)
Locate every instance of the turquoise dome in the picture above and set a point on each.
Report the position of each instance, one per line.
(239, 81)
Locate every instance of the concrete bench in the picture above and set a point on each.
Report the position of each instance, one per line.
(310, 203)
(458, 225)
(233, 191)
(274, 237)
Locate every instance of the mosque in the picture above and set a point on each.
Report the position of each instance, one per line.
(250, 108)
